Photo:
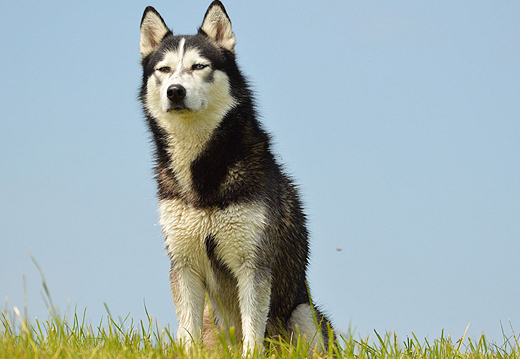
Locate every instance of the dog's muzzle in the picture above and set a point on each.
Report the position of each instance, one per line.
(176, 94)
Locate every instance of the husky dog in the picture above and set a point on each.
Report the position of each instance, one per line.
(232, 219)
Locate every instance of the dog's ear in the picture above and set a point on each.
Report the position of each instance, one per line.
(217, 26)
(153, 30)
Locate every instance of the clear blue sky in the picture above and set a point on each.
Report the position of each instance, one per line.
(400, 121)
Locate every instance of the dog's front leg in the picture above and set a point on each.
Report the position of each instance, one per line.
(254, 292)
(188, 295)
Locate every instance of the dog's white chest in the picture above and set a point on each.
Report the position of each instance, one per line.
(235, 229)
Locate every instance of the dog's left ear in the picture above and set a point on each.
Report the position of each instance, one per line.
(217, 26)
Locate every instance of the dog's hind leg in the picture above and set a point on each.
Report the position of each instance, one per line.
(308, 322)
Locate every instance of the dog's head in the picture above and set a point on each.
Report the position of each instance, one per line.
(187, 78)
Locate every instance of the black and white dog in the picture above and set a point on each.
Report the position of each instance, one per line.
(233, 222)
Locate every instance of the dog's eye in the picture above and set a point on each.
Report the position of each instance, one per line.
(164, 69)
(198, 67)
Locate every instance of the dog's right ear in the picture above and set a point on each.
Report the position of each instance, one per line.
(153, 30)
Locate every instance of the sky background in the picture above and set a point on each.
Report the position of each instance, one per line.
(399, 120)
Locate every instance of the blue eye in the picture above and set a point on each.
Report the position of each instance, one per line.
(199, 67)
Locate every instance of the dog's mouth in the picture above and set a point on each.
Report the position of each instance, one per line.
(178, 108)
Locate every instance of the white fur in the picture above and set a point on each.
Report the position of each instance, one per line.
(253, 300)
(181, 53)
(302, 322)
(186, 228)
(188, 304)
(237, 229)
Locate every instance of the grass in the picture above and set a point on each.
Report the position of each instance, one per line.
(63, 337)
(58, 337)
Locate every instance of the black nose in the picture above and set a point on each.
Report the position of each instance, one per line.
(176, 93)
